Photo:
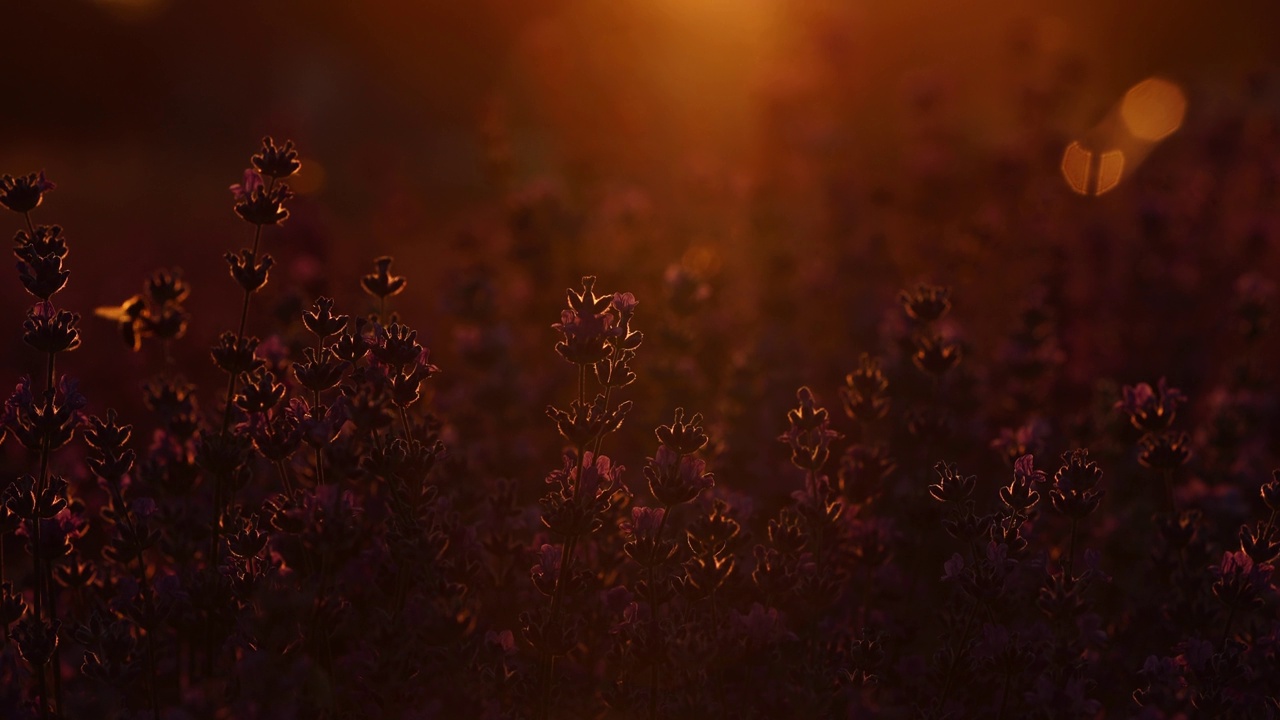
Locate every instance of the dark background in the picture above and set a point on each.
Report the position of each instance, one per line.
(792, 152)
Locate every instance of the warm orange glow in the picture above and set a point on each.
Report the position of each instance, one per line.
(1090, 173)
(133, 9)
(1153, 109)
(1110, 166)
(702, 260)
(1075, 167)
(310, 179)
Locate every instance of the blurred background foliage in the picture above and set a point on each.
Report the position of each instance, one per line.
(784, 166)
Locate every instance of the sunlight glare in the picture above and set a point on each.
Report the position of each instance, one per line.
(1075, 167)
(1090, 173)
(1153, 109)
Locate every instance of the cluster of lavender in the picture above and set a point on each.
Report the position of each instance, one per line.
(311, 542)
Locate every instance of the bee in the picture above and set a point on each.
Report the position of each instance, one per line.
(129, 318)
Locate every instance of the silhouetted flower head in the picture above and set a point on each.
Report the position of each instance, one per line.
(760, 627)
(1074, 492)
(580, 496)
(1270, 493)
(863, 469)
(644, 542)
(683, 437)
(276, 161)
(320, 370)
(584, 423)
(864, 391)
(40, 260)
(1261, 542)
(381, 283)
(1020, 494)
(51, 331)
(353, 343)
(546, 573)
(167, 286)
(624, 304)
(260, 393)
(1239, 582)
(1164, 451)
(952, 487)
(407, 381)
(36, 640)
(236, 355)
(674, 478)
(249, 271)
(168, 323)
(587, 326)
(319, 424)
(12, 606)
(935, 355)
(257, 204)
(1026, 439)
(396, 345)
(1150, 410)
(926, 303)
(24, 193)
(810, 433)
(321, 321)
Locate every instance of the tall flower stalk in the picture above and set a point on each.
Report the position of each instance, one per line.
(259, 203)
(598, 340)
(43, 422)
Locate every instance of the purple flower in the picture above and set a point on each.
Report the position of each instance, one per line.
(675, 479)
(1020, 495)
(645, 522)
(546, 571)
(244, 189)
(1150, 410)
(1240, 582)
(24, 193)
(953, 567)
(599, 476)
(760, 627)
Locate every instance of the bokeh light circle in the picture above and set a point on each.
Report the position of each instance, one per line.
(1153, 109)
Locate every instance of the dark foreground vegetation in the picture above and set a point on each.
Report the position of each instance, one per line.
(336, 527)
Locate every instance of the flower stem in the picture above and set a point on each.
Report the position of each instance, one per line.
(653, 619)
(955, 661)
(1071, 549)
(1226, 629)
(548, 662)
(1004, 698)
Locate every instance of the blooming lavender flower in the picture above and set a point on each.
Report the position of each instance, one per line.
(1020, 494)
(644, 542)
(676, 479)
(258, 204)
(952, 487)
(809, 435)
(381, 283)
(865, 391)
(926, 303)
(1150, 410)
(277, 162)
(1074, 490)
(24, 193)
